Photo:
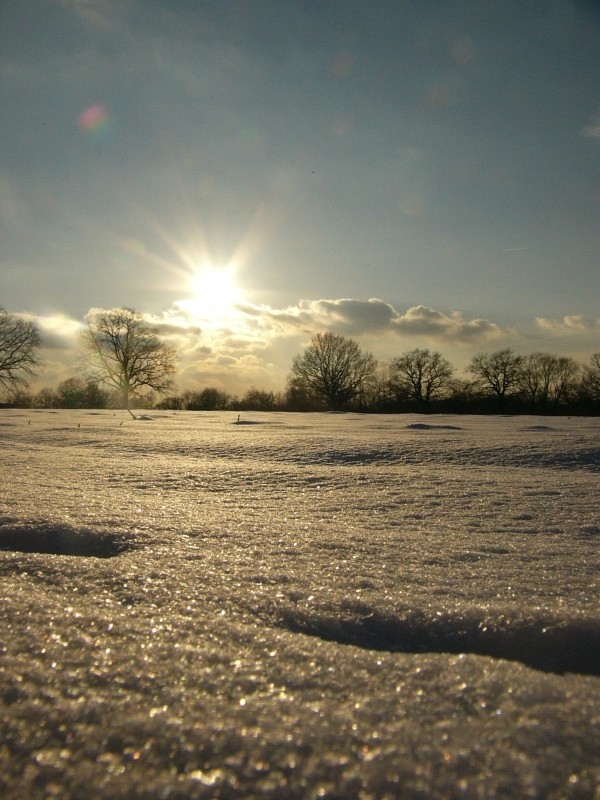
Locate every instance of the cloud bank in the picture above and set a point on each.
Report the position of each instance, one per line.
(367, 317)
(575, 323)
(253, 345)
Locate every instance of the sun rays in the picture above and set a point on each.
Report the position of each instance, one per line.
(199, 265)
(214, 293)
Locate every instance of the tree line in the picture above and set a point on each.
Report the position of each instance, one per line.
(123, 359)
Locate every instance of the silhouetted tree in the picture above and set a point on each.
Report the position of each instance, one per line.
(126, 353)
(20, 341)
(546, 378)
(463, 394)
(77, 393)
(257, 400)
(71, 393)
(563, 380)
(498, 372)
(531, 379)
(299, 396)
(335, 368)
(46, 398)
(209, 399)
(171, 403)
(421, 375)
(591, 377)
(376, 393)
(20, 398)
(95, 396)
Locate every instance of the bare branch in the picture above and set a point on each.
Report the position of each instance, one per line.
(421, 375)
(19, 344)
(124, 352)
(335, 368)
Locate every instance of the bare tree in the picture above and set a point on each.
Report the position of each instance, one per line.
(546, 378)
(71, 393)
(591, 377)
(46, 398)
(531, 380)
(19, 346)
(126, 353)
(421, 375)
(300, 396)
(209, 399)
(498, 372)
(563, 380)
(78, 393)
(376, 393)
(335, 368)
(258, 400)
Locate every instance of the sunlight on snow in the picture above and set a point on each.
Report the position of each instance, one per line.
(311, 605)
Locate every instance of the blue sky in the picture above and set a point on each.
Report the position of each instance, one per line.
(411, 173)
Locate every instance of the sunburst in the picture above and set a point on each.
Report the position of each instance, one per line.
(214, 293)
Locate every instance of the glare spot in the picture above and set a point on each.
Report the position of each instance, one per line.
(214, 293)
(94, 120)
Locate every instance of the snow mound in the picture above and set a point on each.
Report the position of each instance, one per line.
(549, 643)
(61, 540)
(424, 426)
(539, 428)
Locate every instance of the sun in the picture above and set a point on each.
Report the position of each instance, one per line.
(214, 293)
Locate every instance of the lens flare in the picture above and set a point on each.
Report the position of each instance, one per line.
(94, 120)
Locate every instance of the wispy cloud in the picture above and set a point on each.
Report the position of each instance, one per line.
(99, 13)
(569, 324)
(593, 130)
(13, 208)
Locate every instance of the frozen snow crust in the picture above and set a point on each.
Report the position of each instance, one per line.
(298, 606)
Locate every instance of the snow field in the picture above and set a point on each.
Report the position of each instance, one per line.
(301, 606)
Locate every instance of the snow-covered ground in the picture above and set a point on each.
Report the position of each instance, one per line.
(298, 606)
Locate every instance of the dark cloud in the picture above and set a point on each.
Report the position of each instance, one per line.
(350, 317)
(356, 316)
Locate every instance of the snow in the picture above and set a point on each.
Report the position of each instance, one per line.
(299, 606)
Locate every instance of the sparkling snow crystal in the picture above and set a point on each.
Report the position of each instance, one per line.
(312, 606)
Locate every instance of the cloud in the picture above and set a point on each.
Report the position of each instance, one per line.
(12, 205)
(233, 374)
(255, 345)
(99, 13)
(58, 331)
(174, 328)
(570, 324)
(433, 324)
(60, 347)
(366, 317)
(345, 316)
(592, 131)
